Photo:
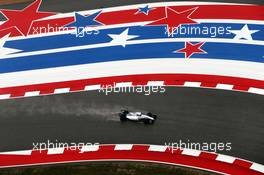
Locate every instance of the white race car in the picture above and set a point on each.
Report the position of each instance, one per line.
(126, 115)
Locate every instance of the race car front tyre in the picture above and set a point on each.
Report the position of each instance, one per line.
(148, 122)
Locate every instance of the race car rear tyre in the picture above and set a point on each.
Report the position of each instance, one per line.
(125, 111)
(123, 118)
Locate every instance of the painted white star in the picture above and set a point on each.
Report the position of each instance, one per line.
(122, 38)
(244, 33)
(6, 51)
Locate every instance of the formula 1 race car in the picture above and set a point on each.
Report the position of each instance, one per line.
(126, 115)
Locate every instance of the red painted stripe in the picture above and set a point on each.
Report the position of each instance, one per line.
(138, 152)
(247, 12)
(209, 81)
(239, 12)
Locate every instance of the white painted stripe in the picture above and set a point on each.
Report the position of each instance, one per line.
(250, 70)
(132, 42)
(123, 84)
(55, 151)
(157, 148)
(256, 90)
(89, 148)
(191, 152)
(225, 158)
(257, 167)
(92, 87)
(32, 93)
(120, 147)
(5, 96)
(62, 90)
(192, 84)
(24, 152)
(224, 86)
(155, 83)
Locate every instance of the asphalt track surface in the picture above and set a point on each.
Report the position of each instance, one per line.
(198, 115)
(184, 113)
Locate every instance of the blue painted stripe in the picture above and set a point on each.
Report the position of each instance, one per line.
(144, 32)
(226, 51)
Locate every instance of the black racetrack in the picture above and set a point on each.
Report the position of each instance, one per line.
(187, 114)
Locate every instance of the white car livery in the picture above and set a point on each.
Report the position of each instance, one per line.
(126, 115)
